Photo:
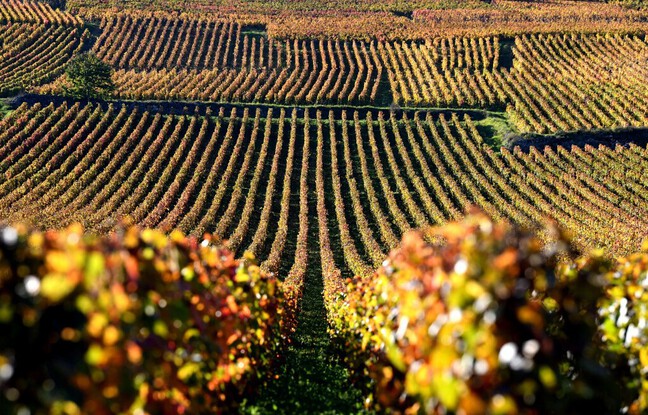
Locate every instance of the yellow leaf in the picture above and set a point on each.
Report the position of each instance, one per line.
(177, 236)
(365, 342)
(94, 269)
(111, 335)
(242, 276)
(65, 408)
(190, 334)
(148, 253)
(96, 324)
(58, 261)
(186, 371)
(36, 240)
(448, 390)
(55, 287)
(550, 304)
(84, 304)
(188, 273)
(643, 356)
(547, 377)
(395, 356)
(160, 329)
(503, 405)
(95, 355)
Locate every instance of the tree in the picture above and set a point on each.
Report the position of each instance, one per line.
(89, 77)
(56, 4)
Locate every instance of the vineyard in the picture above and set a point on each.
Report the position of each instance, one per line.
(323, 207)
(36, 42)
(397, 19)
(208, 172)
(15, 11)
(534, 78)
(556, 83)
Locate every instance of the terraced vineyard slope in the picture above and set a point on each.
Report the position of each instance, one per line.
(382, 174)
(310, 137)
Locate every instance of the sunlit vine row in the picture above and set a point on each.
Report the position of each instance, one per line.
(295, 280)
(156, 43)
(510, 18)
(557, 82)
(206, 172)
(501, 17)
(282, 85)
(17, 11)
(32, 54)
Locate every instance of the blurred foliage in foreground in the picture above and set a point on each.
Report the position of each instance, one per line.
(491, 320)
(485, 319)
(136, 322)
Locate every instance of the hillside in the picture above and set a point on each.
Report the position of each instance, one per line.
(313, 135)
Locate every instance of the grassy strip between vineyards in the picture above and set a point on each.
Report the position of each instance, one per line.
(494, 126)
(5, 109)
(312, 379)
(179, 107)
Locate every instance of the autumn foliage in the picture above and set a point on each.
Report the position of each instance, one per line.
(136, 322)
(623, 313)
(475, 317)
